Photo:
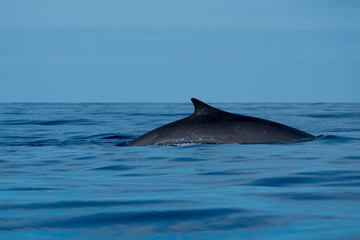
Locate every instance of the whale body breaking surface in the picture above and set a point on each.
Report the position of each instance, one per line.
(209, 125)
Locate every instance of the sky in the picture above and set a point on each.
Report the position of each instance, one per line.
(170, 51)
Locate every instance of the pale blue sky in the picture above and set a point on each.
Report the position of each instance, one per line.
(169, 51)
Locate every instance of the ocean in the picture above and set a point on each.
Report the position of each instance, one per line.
(62, 177)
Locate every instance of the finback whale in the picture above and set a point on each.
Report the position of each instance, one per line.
(209, 125)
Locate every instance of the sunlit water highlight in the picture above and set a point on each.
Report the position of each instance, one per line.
(63, 177)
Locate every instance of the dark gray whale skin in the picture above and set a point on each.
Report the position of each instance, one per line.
(208, 125)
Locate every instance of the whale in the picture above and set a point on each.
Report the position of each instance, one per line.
(209, 125)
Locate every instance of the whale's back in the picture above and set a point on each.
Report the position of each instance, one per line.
(208, 125)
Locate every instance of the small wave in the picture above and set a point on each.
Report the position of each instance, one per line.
(220, 173)
(336, 139)
(304, 196)
(29, 189)
(52, 142)
(83, 204)
(352, 157)
(172, 221)
(126, 218)
(114, 168)
(97, 139)
(64, 122)
(331, 173)
(116, 137)
(339, 115)
(284, 181)
(321, 178)
(185, 159)
(123, 143)
(105, 136)
(49, 123)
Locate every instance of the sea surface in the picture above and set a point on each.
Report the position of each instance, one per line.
(62, 177)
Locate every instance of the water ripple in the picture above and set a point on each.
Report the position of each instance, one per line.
(83, 204)
(316, 196)
(127, 218)
(323, 178)
(115, 168)
(49, 123)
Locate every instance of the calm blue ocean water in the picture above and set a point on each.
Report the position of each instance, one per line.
(63, 177)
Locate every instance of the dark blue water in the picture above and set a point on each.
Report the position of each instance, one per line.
(63, 177)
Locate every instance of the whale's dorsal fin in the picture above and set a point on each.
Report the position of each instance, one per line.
(201, 107)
